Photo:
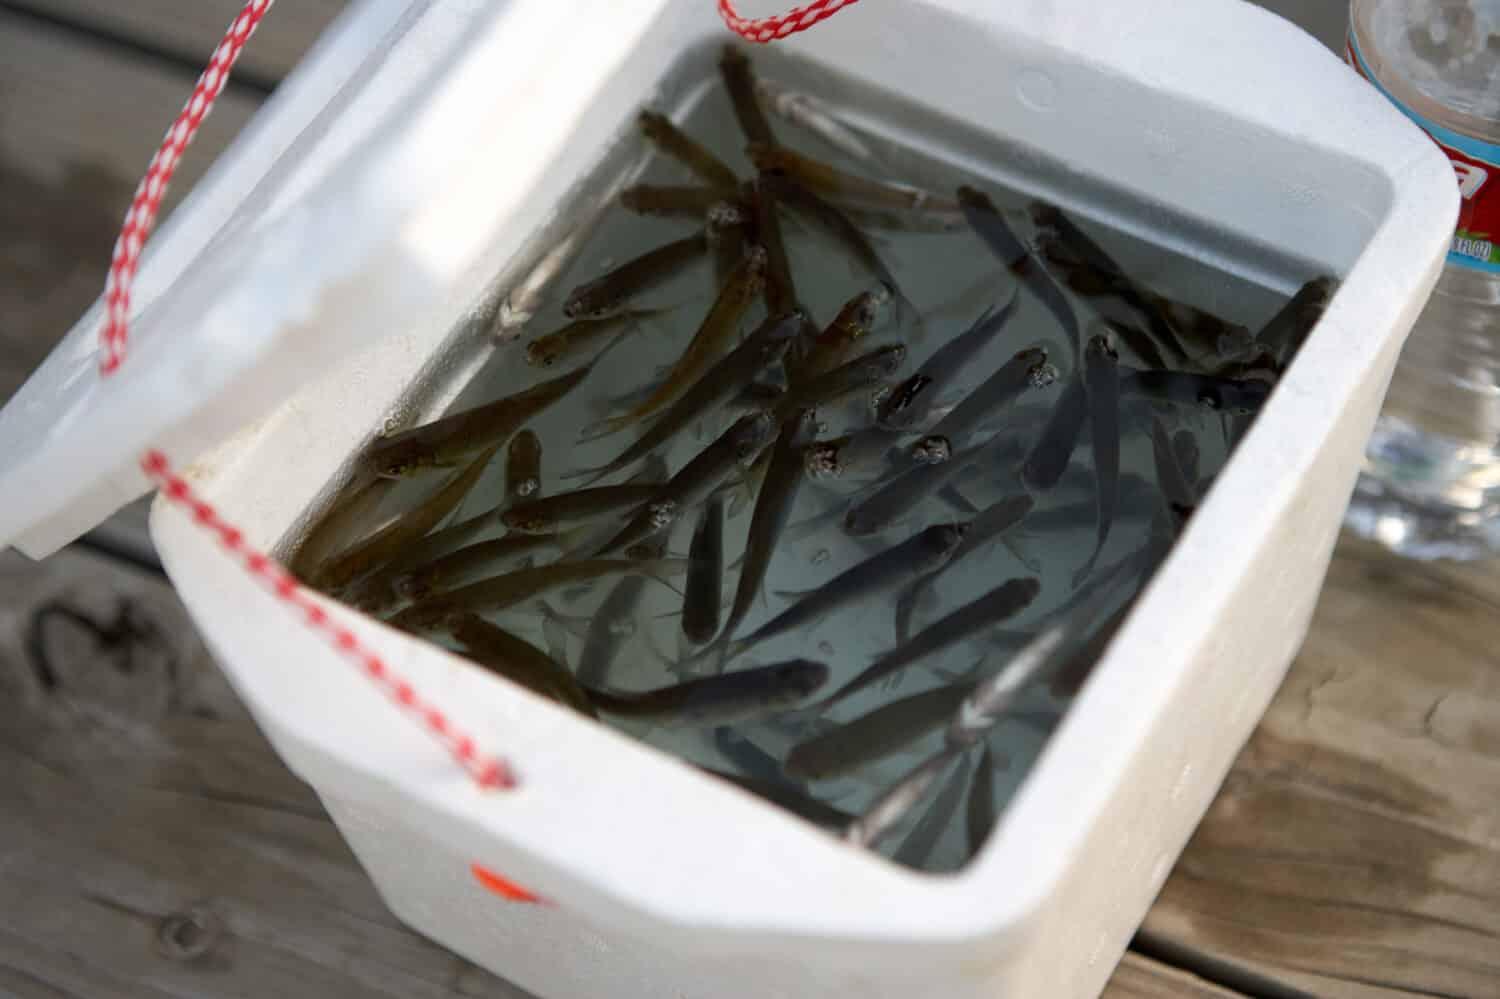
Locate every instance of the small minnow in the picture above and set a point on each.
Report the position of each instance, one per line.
(606, 634)
(1101, 382)
(386, 544)
(1182, 388)
(845, 233)
(917, 556)
(726, 699)
(831, 346)
(773, 506)
(580, 334)
(718, 326)
(334, 528)
(420, 579)
(696, 480)
(812, 115)
(979, 814)
(1078, 243)
(450, 539)
(863, 372)
(725, 227)
(872, 737)
(1053, 450)
(832, 182)
(834, 459)
(688, 151)
(1180, 496)
(519, 661)
(528, 295)
(670, 201)
(779, 288)
(989, 524)
(704, 586)
(905, 491)
(739, 80)
(1000, 604)
(550, 514)
(1286, 330)
(911, 403)
(729, 375)
(523, 466)
(987, 222)
(893, 805)
(450, 439)
(1028, 369)
(605, 294)
(790, 797)
(516, 587)
(916, 849)
(993, 696)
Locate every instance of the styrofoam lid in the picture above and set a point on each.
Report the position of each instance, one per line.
(348, 206)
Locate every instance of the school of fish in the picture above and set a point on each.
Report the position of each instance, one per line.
(923, 454)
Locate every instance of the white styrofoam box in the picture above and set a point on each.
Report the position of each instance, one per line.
(662, 882)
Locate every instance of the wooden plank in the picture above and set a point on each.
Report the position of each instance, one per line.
(188, 31)
(154, 844)
(78, 124)
(1354, 851)
(1139, 977)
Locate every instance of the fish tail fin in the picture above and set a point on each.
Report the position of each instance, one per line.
(1088, 567)
(576, 626)
(600, 429)
(906, 608)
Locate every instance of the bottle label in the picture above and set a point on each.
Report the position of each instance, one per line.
(1477, 167)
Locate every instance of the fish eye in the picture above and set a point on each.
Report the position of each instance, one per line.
(1209, 399)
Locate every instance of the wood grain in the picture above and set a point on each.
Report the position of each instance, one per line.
(1139, 977)
(1354, 850)
(154, 844)
(189, 31)
(78, 124)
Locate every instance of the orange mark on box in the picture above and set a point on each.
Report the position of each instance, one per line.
(504, 887)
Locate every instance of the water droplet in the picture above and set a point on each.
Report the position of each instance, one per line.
(825, 647)
(821, 555)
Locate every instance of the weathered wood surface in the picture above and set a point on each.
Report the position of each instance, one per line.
(1354, 851)
(153, 843)
(188, 31)
(79, 120)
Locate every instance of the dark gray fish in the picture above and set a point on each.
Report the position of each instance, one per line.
(790, 797)
(497, 649)
(611, 626)
(718, 384)
(779, 289)
(726, 699)
(773, 506)
(1101, 380)
(549, 514)
(910, 404)
(900, 496)
(917, 556)
(688, 151)
(990, 524)
(1093, 256)
(748, 758)
(887, 730)
(1295, 320)
(979, 816)
(897, 801)
(831, 182)
(1000, 604)
(739, 80)
(1053, 450)
(756, 395)
(1027, 369)
(634, 277)
(837, 226)
(421, 580)
(1179, 494)
(1138, 498)
(987, 222)
(863, 372)
(670, 201)
(696, 480)
(705, 579)
(1183, 388)
(916, 849)
(523, 466)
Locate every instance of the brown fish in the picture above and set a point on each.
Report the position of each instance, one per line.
(688, 151)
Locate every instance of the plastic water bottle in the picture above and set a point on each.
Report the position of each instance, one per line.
(1430, 487)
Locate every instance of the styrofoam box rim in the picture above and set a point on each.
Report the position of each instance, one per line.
(605, 823)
